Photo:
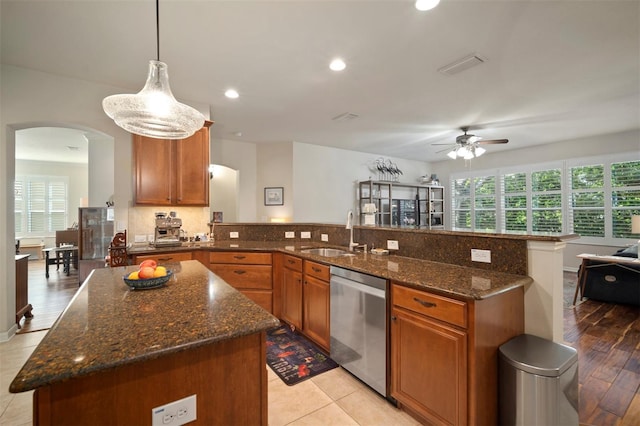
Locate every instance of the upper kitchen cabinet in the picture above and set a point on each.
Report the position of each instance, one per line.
(170, 172)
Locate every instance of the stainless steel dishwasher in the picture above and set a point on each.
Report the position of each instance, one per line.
(358, 326)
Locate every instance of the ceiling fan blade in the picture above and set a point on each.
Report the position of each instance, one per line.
(492, 141)
(446, 149)
(449, 143)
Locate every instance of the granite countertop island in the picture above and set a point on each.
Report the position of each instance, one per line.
(448, 279)
(108, 327)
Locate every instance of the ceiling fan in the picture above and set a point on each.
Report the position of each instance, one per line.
(468, 146)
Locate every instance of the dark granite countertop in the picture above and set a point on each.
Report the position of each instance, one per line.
(447, 279)
(107, 325)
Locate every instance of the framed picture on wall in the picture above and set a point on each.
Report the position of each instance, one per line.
(274, 196)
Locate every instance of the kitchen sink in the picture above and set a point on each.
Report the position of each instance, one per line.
(327, 252)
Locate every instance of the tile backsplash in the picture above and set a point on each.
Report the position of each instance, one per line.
(142, 220)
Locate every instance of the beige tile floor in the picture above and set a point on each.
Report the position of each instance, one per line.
(332, 398)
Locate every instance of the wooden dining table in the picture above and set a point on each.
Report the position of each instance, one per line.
(63, 254)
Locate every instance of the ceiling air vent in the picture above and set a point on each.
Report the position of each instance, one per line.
(462, 64)
(345, 116)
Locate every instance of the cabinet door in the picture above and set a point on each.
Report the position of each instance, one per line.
(153, 164)
(192, 169)
(292, 297)
(429, 367)
(316, 310)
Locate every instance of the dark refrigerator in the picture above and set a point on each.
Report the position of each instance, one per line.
(96, 230)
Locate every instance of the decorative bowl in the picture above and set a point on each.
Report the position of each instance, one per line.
(143, 284)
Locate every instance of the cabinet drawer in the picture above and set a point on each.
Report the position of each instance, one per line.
(166, 257)
(240, 257)
(438, 307)
(292, 262)
(260, 297)
(244, 276)
(317, 270)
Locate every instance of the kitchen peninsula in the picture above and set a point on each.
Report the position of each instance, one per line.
(115, 354)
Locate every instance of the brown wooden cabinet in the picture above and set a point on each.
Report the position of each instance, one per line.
(250, 273)
(172, 172)
(291, 309)
(305, 298)
(315, 296)
(444, 353)
(23, 307)
(163, 258)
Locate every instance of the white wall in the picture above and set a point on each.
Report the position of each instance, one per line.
(241, 156)
(275, 162)
(102, 171)
(325, 180)
(224, 193)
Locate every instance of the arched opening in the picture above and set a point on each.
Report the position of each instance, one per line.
(224, 193)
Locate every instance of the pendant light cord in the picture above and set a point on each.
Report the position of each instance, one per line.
(158, 30)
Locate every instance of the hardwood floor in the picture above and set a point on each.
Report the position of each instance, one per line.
(48, 296)
(607, 337)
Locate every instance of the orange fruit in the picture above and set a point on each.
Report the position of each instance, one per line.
(160, 271)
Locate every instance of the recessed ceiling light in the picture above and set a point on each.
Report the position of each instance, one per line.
(73, 148)
(337, 65)
(231, 94)
(426, 4)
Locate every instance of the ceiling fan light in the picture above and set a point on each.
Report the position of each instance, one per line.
(452, 154)
(468, 155)
(153, 111)
(479, 151)
(423, 5)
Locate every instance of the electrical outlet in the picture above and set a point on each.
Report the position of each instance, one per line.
(324, 237)
(140, 239)
(483, 256)
(392, 245)
(175, 413)
(305, 235)
(234, 235)
(290, 234)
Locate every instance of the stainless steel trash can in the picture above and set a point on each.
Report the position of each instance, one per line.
(538, 382)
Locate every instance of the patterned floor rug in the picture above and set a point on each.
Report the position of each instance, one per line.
(294, 358)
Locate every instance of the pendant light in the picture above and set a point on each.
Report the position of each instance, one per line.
(153, 111)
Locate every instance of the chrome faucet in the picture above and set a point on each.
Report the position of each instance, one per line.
(350, 228)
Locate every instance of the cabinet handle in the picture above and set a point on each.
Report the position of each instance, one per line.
(425, 303)
(165, 259)
(239, 272)
(239, 257)
(315, 269)
(291, 262)
(393, 318)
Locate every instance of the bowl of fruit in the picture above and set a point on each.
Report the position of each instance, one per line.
(148, 275)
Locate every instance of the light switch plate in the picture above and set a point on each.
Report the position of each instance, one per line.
(140, 238)
(305, 234)
(290, 234)
(324, 237)
(392, 245)
(234, 235)
(483, 256)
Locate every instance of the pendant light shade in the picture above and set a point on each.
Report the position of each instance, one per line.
(153, 111)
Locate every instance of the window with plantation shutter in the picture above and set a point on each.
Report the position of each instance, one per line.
(546, 200)
(461, 203)
(41, 204)
(514, 201)
(594, 198)
(484, 201)
(625, 197)
(18, 193)
(586, 208)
